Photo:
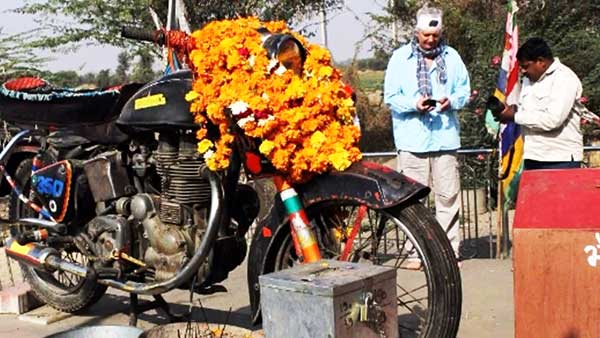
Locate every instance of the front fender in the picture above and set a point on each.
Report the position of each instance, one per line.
(368, 183)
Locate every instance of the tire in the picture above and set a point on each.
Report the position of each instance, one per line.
(60, 290)
(436, 286)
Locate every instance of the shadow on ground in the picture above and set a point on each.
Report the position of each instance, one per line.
(480, 248)
(112, 304)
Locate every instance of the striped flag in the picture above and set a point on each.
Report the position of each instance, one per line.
(507, 90)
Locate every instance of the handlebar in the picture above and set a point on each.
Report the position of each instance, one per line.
(143, 34)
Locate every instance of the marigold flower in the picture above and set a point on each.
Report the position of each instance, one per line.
(266, 147)
(204, 146)
(304, 122)
(317, 139)
(325, 72)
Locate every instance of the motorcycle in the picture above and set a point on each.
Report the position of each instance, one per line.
(108, 197)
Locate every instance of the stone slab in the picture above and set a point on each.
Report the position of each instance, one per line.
(44, 315)
(18, 299)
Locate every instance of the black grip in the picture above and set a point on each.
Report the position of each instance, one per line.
(143, 34)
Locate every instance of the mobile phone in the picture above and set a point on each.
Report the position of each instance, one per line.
(494, 105)
(430, 102)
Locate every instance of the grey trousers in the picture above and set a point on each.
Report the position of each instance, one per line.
(439, 171)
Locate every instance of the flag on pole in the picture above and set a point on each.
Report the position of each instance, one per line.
(507, 91)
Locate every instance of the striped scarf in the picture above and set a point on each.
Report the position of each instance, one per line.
(422, 72)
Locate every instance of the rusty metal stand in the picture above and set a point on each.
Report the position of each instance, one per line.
(135, 308)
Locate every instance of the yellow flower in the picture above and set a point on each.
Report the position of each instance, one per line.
(266, 147)
(296, 89)
(340, 160)
(191, 96)
(212, 110)
(317, 139)
(325, 72)
(204, 146)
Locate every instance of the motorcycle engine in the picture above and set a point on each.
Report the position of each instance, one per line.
(168, 220)
(173, 219)
(183, 204)
(182, 187)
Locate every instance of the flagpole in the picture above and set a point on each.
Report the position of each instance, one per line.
(499, 213)
(323, 15)
(510, 140)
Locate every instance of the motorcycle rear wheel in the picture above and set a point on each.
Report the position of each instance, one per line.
(429, 299)
(61, 290)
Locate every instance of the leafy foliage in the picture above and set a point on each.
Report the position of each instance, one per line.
(124, 62)
(142, 72)
(72, 22)
(16, 59)
(476, 29)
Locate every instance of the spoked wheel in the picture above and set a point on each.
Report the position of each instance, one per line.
(428, 294)
(61, 290)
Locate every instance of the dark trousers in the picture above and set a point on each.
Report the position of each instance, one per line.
(533, 165)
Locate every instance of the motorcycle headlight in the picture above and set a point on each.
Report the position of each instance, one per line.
(287, 50)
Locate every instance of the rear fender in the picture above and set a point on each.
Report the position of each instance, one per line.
(18, 155)
(368, 183)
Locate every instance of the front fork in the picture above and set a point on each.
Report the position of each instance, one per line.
(303, 236)
(305, 243)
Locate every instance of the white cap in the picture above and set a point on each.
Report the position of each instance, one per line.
(429, 18)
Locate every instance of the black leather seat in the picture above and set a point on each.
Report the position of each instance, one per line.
(63, 107)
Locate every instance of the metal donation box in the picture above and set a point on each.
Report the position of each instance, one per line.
(557, 254)
(330, 299)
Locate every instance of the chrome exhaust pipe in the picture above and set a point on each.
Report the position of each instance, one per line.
(42, 258)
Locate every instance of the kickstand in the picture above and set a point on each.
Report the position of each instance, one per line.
(135, 308)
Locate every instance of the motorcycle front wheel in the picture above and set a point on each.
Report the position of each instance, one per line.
(406, 238)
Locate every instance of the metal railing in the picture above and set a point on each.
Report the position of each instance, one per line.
(476, 221)
(485, 224)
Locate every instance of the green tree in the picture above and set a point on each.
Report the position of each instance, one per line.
(142, 71)
(122, 72)
(70, 23)
(63, 79)
(103, 78)
(88, 79)
(17, 59)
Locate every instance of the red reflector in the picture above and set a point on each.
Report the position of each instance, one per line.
(266, 232)
(253, 163)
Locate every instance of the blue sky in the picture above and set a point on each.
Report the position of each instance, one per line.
(344, 30)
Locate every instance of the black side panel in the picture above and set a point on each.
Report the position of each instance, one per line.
(367, 183)
(160, 104)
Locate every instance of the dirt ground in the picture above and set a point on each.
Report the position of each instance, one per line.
(487, 310)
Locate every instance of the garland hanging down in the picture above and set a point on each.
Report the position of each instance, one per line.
(305, 122)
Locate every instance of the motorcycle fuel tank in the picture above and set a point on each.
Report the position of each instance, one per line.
(160, 104)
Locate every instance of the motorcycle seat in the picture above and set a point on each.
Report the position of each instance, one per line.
(32, 102)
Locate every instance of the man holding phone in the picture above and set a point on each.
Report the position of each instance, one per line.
(547, 110)
(426, 82)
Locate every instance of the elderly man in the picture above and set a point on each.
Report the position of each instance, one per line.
(426, 82)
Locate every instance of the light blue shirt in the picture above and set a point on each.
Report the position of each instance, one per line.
(425, 132)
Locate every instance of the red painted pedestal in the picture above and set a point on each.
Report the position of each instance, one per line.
(556, 254)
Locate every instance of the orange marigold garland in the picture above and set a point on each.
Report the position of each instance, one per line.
(306, 122)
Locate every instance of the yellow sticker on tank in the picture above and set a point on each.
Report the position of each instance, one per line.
(150, 101)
